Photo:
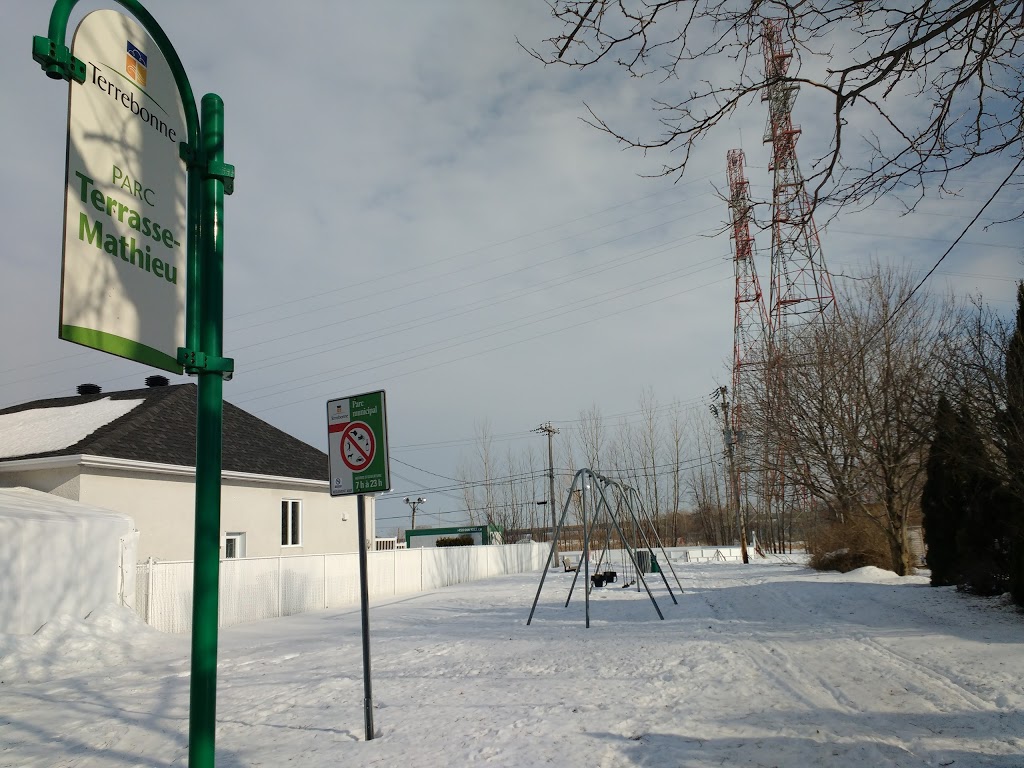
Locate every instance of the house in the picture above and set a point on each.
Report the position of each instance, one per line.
(134, 451)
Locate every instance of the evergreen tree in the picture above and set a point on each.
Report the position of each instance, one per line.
(983, 541)
(1014, 439)
(940, 499)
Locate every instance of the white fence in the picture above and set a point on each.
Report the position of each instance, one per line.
(723, 554)
(266, 587)
(705, 554)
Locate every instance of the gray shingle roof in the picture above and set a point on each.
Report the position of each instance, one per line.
(163, 430)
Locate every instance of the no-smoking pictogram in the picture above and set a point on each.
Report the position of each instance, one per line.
(357, 436)
(357, 446)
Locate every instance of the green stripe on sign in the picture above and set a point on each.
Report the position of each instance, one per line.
(117, 345)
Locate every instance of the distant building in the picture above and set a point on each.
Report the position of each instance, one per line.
(427, 537)
(134, 451)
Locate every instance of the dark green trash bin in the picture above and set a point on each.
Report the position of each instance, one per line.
(648, 562)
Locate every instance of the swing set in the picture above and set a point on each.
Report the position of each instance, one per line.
(610, 505)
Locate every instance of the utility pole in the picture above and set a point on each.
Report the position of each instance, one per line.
(733, 476)
(550, 431)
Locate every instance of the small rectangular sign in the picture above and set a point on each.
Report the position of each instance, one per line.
(123, 283)
(357, 440)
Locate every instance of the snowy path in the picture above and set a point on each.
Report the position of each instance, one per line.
(761, 665)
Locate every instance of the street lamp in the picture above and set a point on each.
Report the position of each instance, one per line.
(533, 520)
(414, 503)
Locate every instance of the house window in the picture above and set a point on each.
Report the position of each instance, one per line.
(234, 545)
(291, 522)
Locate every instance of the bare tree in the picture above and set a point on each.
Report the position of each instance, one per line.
(568, 461)
(707, 483)
(650, 444)
(513, 492)
(478, 477)
(915, 92)
(677, 435)
(484, 442)
(465, 474)
(590, 434)
(974, 365)
(855, 406)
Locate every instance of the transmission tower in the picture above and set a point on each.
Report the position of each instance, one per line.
(802, 297)
(801, 287)
(750, 326)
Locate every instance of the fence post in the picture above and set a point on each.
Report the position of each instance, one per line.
(149, 591)
(325, 581)
(280, 588)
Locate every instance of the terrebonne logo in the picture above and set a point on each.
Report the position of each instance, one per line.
(135, 64)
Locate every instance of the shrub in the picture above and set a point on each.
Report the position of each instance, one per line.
(463, 540)
(847, 546)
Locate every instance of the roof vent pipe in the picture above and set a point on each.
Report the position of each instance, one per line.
(88, 389)
(157, 381)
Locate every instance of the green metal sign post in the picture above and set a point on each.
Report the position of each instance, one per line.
(208, 180)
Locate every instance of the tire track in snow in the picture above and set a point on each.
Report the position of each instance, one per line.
(932, 678)
(917, 677)
(875, 660)
(773, 662)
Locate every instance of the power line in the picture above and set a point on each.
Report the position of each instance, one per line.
(420, 369)
(692, 464)
(615, 263)
(484, 303)
(433, 296)
(375, 295)
(942, 258)
(479, 249)
(425, 471)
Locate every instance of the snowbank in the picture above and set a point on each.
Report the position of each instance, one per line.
(108, 637)
(59, 557)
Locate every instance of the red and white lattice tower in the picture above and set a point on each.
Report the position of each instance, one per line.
(801, 287)
(751, 318)
(802, 298)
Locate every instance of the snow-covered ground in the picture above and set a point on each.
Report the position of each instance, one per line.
(761, 665)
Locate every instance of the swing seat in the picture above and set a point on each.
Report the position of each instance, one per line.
(610, 576)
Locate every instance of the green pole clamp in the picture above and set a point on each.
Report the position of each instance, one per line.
(209, 169)
(56, 60)
(224, 172)
(194, 362)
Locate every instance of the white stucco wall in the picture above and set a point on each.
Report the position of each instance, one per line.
(60, 480)
(161, 500)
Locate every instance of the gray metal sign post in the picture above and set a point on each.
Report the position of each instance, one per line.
(357, 441)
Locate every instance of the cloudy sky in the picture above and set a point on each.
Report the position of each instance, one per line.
(420, 208)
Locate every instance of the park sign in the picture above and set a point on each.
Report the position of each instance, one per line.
(357, 440)
(123, 284)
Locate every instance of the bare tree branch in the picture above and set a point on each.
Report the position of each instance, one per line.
(919, 92)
